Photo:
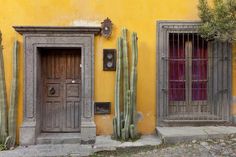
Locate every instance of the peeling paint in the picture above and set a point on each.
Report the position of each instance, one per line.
(105, 117)
(87, 23)
(139, 116)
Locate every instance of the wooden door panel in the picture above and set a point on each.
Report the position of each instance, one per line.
(53, 90)
(61, 90)
(72, 116)
(77, 114)
(69, 66)
(73, 66)
(52, 116)
(73, 90)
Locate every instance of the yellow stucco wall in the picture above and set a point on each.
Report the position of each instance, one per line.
(136, 15)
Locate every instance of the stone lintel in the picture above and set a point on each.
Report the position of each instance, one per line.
(57, 29)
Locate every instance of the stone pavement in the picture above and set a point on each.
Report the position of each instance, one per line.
(49, 150)
(76, 150)
(223, 147)
(173, 135)
(197, 142)
(105, 143)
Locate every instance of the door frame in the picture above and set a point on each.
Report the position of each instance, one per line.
(56, 37)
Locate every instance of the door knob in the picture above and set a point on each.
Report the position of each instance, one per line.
(52, 91)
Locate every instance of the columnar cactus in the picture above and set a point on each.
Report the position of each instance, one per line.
(133, 82)
(126, 83)
(13, 97)
(3, 102)
(125, 70)
(8, 121)
(118, 93)
(124, 124)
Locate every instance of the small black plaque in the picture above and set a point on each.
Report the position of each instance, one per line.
(102, 107)
(109, 59)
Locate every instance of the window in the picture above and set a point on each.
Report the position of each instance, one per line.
(194, 76)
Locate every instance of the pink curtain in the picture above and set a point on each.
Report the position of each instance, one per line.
(176, 72)
(199, 72)
(177, 61)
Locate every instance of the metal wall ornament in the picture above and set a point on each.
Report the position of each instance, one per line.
(106, 28)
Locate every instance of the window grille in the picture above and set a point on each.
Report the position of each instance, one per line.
(194, 76)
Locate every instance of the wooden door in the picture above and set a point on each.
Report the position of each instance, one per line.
(61, 87)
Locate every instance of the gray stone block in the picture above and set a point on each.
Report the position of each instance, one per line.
(88, 133)
(59, 138)
(27, 135)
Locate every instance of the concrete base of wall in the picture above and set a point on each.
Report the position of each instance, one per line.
(30, 136)
(173, 135)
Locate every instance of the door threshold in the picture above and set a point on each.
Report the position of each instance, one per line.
(59, 138)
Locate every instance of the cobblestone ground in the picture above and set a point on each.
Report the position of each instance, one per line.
(209, 148)
(199, 149)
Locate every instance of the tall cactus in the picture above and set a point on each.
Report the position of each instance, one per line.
(13, 97)
(125, 71)
(118, 102)
(126, 82)
(124, 124)
(133, 81)
(3, 102)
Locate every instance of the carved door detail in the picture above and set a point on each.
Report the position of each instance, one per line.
(61, 90)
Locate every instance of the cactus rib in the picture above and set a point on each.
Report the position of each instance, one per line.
(3, 102)
(12, 116)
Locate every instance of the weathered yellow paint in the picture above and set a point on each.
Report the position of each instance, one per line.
(234, 79)
(136, 15)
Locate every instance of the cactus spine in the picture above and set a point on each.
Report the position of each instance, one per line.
(3, 102)
(124, 124)
(13, 97)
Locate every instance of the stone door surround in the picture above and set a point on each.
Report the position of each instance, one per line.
(56, 37)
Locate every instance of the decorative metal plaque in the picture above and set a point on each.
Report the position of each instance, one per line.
(106, 28)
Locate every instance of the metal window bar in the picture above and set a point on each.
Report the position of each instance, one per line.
(216, 105)
(195, 86)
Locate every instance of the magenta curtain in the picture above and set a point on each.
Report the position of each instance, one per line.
(177, 71)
